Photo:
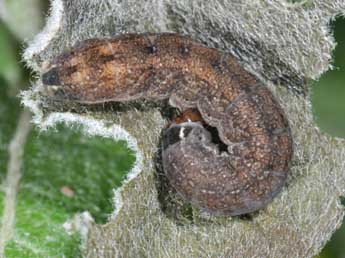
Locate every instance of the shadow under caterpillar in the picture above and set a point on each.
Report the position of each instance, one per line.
(248, 119)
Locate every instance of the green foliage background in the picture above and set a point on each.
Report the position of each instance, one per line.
(60, 158)
(328, 99)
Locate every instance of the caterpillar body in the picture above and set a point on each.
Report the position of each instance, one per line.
(248, 119)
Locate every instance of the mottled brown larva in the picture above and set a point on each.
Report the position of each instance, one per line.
(248, 119)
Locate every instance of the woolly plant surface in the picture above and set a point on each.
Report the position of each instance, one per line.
(286, 44)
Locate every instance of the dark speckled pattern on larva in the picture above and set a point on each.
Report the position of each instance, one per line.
(169, 66)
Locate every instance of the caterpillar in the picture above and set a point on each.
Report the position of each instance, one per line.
(238, 179)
